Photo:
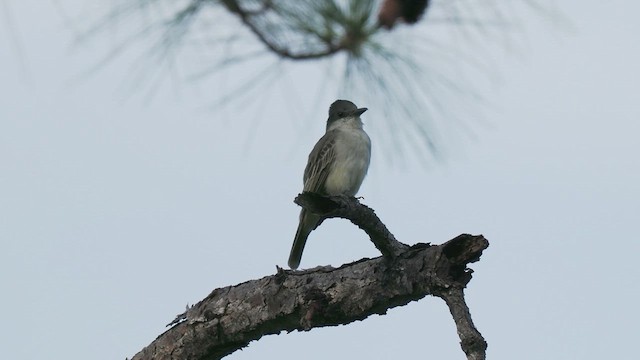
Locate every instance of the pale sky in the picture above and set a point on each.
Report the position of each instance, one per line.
(117, 209)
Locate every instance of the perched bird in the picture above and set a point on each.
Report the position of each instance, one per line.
(337, 165)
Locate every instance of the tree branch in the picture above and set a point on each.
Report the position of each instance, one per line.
(246, 16)
(471, 341)
(360, 215)
(229, 318)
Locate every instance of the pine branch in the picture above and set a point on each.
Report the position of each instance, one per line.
(229, 318)
(360, 215)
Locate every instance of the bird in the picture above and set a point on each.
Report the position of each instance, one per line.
(337, 165)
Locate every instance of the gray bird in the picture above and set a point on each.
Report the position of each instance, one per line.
(337, 165)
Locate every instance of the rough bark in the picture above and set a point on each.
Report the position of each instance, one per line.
(229, 318)
(360, 215)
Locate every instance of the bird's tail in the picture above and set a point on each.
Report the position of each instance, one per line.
(308, 222)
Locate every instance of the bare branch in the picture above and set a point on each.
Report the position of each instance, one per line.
(229, 318)
(471, 341)
(360, 215)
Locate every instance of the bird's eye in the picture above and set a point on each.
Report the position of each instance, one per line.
(341, 114)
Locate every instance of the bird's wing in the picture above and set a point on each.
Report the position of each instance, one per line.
(318, 166)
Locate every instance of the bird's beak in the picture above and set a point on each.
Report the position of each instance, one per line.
(358, 112)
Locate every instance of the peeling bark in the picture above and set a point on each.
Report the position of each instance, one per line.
(230, 317)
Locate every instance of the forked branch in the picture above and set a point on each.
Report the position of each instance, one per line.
(231, 317)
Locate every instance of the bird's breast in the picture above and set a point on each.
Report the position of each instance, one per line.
(352, 157)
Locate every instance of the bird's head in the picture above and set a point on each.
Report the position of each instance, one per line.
(343, 112)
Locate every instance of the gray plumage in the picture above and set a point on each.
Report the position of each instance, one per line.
(337, 165)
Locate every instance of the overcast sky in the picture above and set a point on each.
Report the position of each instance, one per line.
(117, 209)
